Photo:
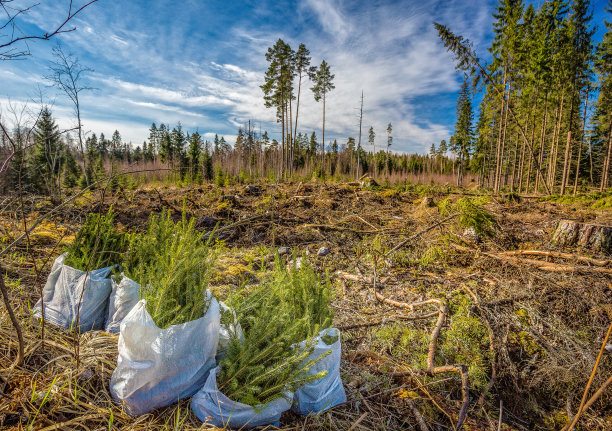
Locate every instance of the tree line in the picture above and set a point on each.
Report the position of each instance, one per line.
(544, 122)
(53, 160)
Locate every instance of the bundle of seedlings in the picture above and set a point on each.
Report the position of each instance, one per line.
(97, 244)
(172, 264)
(77, 289)
(288, 309)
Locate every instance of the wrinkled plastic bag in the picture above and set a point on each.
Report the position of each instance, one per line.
(214, 408)
(66, 287)
(327, 392)
(123, 297)
(157, 367)
(227, 331)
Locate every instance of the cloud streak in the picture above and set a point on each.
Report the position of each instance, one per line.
(203, 64)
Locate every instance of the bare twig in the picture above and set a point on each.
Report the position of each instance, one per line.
(590, 382)
(417, 414)
(14, 321)
(9, 53)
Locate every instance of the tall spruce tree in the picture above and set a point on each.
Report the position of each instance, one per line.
(463, 138)
(47, 156)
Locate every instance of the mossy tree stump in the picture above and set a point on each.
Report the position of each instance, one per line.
(594, 237)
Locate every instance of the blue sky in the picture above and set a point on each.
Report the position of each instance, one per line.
(202, 62)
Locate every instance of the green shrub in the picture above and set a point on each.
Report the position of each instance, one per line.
(172, 264)
(97, 244)
(290, 307)
(471, 215)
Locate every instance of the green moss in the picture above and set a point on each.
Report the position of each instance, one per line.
(464, 341)
(603, 203)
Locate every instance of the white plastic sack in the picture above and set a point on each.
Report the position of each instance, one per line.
(123, 297)
(157, 367)
(226, 331)
(214, 408)
(327, 392)
(66, 287)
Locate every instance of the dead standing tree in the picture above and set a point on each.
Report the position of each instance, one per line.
(66, 74)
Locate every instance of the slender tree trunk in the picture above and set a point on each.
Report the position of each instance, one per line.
(606, 165)
(499, 136)
(586, 101)
(503, 145)
(542, 135)
(359, 142)
(567, 158)
(291, 137)
(551, 153)
(555, 158)
(297, 107)
(323, 141)
(514, 164)
(282, 169)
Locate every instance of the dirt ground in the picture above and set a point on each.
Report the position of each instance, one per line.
(517, 335)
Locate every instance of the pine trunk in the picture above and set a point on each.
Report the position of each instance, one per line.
(554, 160)
(542, 135)
(323, 141)
(567, 158)
(499, 137)
(586, 101)
(606, 166)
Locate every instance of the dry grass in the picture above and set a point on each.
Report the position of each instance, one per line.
(545, 328)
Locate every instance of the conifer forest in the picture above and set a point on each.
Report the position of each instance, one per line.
(306, 215)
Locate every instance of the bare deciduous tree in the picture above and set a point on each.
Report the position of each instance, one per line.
(67, 75)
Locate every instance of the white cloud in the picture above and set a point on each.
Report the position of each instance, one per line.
(390, 51)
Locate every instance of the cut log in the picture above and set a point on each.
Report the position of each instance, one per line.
(594, 237)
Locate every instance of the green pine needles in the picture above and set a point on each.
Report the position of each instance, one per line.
(471, 215)
(98, 243)
(172, 264)
(290, 307)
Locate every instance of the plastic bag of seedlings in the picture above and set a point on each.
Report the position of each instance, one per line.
(327, 392)
(230, 327)
(214, 408)
(123, 297)
(157, 367)
(68, 287)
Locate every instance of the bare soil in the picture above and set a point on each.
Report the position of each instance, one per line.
(527, 327)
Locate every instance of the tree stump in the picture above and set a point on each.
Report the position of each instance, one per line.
(594, 237)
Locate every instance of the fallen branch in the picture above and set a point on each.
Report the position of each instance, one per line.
(538, 264)
(417, 414)
(388, 320)
(559, 255)
(367, 280)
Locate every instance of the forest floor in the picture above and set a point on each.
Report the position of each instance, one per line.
(422, 302)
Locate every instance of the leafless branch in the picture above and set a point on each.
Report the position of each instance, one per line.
(7, 48)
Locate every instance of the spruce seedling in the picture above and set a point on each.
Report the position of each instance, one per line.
(172, 264)
(111, 243)
(290, 307)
